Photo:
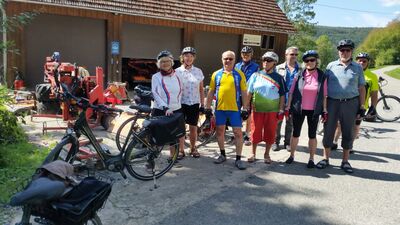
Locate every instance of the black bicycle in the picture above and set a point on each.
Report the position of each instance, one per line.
(144, 156)
(388, 106)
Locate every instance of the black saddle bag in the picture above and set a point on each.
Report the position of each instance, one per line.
(77, 206)
(166, 129)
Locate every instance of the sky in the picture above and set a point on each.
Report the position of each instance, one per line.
(356, 13)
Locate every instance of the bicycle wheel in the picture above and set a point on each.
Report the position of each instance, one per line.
(388, 108)
(94, 221)
(65, 150)
(124, 132)
(141, 162)
(204, 134)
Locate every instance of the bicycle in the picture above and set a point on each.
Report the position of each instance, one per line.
(143, 157)
(388, 106)
(206, 131)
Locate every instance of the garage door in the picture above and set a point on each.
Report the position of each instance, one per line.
(146, 41)
(79, 40)
(210, 47)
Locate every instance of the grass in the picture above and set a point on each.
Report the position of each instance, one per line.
(18, 163)
(394, 73)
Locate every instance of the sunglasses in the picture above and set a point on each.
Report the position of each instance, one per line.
(268, 60)
(310, 60)
(293, 54)
(345, 50)
(227, 59)
(362, 61)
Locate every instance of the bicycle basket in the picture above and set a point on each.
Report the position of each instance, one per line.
(166, 129)
(77, 206)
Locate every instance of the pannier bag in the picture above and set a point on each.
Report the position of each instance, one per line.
(166, 129)
(77, 206)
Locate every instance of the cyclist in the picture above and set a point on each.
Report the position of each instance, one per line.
(229, 86)
(267, 90)
(288, 70)
(248, 67)
(166, 86)
(346, 98)
(307, 98)
(371, 89)
(192, 96)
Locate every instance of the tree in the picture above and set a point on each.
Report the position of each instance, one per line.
(10, 24)
(326, 50)
(300, 13)
(382, 44)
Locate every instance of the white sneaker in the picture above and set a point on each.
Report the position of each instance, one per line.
(275, 147)
(288, 148)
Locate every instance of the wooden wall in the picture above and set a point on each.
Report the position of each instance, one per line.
(114, 31)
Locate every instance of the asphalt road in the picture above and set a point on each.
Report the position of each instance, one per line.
(196, 191)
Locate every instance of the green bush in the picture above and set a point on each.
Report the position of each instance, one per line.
(10, 130)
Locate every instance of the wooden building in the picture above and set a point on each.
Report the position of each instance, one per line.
(121, 34)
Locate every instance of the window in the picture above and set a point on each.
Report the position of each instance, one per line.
(268, 42)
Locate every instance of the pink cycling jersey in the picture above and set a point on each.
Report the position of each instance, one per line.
(310, 90)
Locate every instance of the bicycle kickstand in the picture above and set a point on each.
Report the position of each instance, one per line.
(154, 180)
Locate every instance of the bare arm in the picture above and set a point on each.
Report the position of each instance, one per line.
(289, 101)
(374, 98)
(244, 100)
(249, 97)
(210, 97)
(282, 103)
(201, 90)
(361, 90)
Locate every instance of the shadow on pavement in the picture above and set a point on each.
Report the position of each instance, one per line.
(369, 132)
(240, 204)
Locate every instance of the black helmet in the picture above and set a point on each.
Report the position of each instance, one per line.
(164, 53)
(345, 43)
(247, 49)
(310, 53)
(363, 55)
(189, 50)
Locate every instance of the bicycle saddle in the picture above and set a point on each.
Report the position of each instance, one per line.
(40, 190)
(141, 108)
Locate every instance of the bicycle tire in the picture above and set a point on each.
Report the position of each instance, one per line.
(62, 151)
(94, 221)
(203, 138)
(120, 139)
(390, 114)
(137, 160)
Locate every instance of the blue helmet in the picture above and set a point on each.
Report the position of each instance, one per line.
(310, 53)
(164, 53)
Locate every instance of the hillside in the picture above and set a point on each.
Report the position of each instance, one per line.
(357, 34)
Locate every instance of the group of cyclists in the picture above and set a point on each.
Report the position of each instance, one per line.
(264, 97)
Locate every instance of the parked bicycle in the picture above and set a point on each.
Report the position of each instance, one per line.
(145, 156)
(388, 106)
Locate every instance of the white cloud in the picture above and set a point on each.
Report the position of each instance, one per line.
(370, 20)
(388, 3)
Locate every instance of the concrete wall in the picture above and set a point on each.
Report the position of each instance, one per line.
(146, 41)
(80, 40)
(210, 47)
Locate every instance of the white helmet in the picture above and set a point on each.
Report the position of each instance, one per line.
(271, 55)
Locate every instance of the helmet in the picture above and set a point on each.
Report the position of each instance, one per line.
(271, 55)
(310, 53)
(164, 53)
(363, 55)
(247, 49)
(189, 50)
(345, 43)
(56, 56)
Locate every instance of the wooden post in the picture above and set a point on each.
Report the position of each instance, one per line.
(114, 29)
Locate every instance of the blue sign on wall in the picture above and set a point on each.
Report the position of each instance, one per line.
(115, 48)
